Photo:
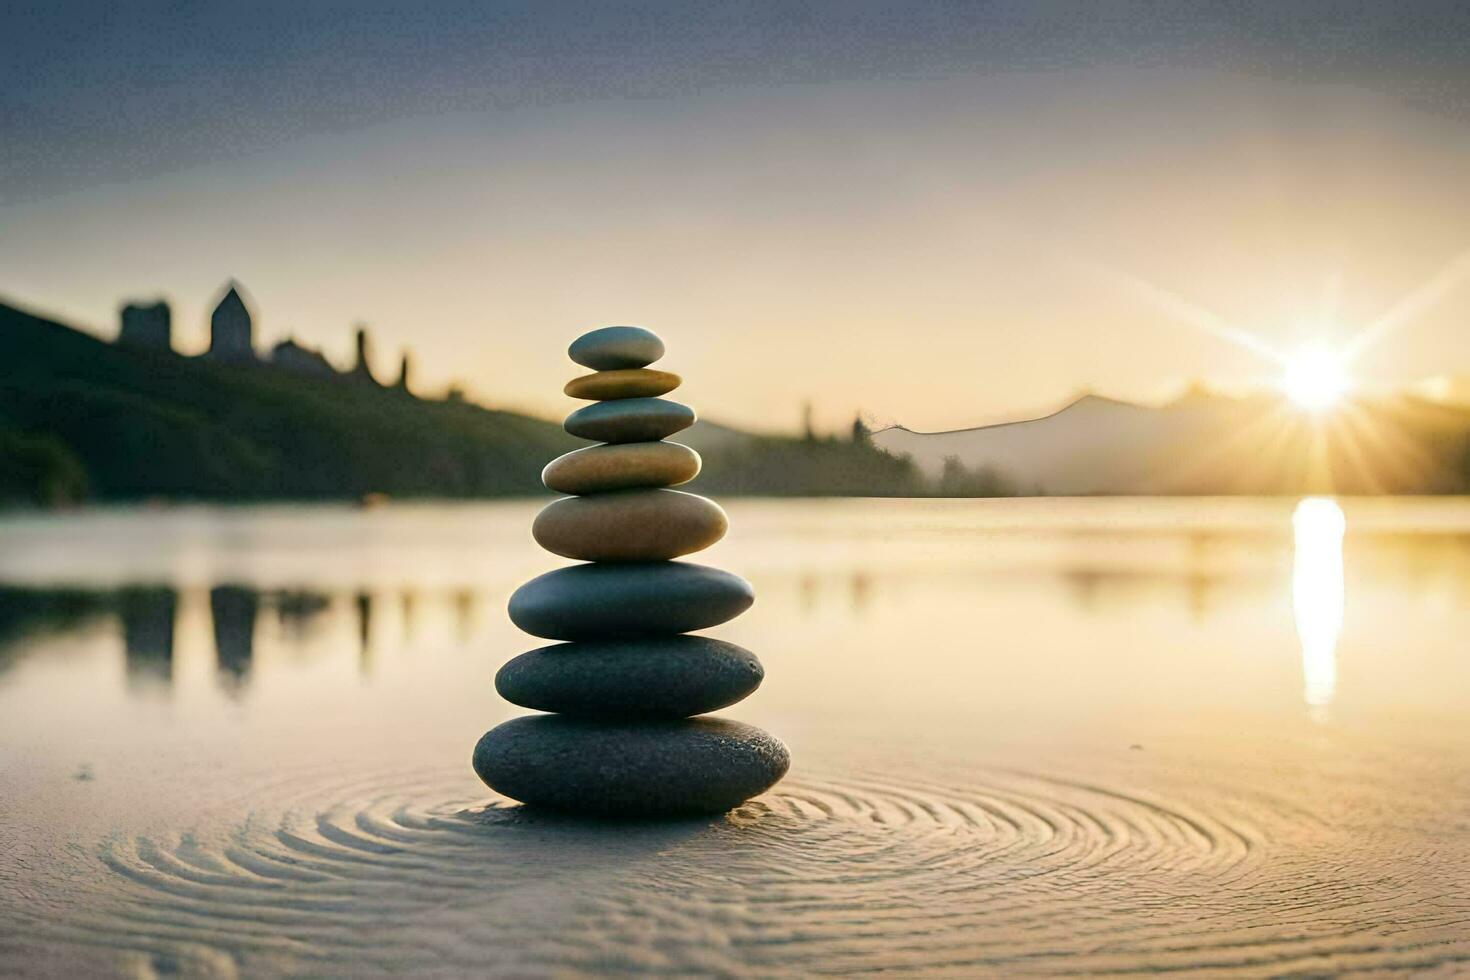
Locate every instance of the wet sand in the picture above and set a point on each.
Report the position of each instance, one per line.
(1029, 737)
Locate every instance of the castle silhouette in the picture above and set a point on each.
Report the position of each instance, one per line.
(232, 341)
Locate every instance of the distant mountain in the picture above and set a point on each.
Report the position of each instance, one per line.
(1209, 444)
(80, 417)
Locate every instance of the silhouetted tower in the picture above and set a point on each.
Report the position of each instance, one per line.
(149, 326)
(861, 434)
(808, 432)
(405, 366)
(361, 370)
(231, 333)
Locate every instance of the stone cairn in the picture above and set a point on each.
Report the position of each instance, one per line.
(629, 681)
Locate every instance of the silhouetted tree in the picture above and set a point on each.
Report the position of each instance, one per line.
(362, 369)
(955, 480)
(404, 367)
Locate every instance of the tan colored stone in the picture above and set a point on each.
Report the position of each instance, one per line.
(628, 383)
(621, 466)
(630, 525)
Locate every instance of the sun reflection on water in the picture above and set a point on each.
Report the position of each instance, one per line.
(1317, 596)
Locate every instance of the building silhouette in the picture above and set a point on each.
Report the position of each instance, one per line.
(288, 355)
(147, 325)
(231, 332)
(232, 341)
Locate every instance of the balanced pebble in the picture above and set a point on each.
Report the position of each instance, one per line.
(628, 383)
(630, 420)
(621, 466)
(630, 525)
(700, 765)
(623, 599)
(652, 677)
(613, 348)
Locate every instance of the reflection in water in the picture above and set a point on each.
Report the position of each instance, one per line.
(862, 591)
(27, 613)
(363, 603)
(1199, 582)
(298, 610)
(234, 609)
(1317, 595)
(148, 634)
(409, 604)
(156, 642)
(464, 615)
(808, 589)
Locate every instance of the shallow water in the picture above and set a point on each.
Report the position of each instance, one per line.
(1029, 736)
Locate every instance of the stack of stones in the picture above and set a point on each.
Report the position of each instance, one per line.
(629, 680)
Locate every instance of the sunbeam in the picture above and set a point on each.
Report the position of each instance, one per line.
(1415, 303)
(1180, 308)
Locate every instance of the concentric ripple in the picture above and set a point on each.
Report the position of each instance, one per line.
(1004, 872)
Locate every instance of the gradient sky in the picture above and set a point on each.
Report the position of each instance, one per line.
(939, 213)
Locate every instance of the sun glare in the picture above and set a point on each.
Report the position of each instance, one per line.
(1316, 378)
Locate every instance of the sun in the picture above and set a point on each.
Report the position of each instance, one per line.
(1316, 378)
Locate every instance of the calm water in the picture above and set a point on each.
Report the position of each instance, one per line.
(1029, 736)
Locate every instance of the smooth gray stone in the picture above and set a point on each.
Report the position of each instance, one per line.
(652, 677)
(612, 348)
(629, 768)
(600, 600)
(630, 420)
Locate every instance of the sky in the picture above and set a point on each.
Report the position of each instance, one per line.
(936, 213)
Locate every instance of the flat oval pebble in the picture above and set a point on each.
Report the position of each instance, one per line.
(630, 420)
(621, 466)
(628, 383)
(622, 599)
(612, 348)
(629, 768)
(652, 677)
(630, 525)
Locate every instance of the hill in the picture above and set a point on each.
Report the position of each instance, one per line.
(1210, 444)
(80, 417)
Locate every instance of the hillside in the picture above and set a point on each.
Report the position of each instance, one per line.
(80, 417)
(1211, 444)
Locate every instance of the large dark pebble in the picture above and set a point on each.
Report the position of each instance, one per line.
(609, 600)
(652, 677)
(627, 768)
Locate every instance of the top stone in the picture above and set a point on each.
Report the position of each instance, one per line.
(616, 348)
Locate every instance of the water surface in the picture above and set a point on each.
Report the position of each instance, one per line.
(1029, 736)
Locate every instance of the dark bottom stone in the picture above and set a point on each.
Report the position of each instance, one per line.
(648, 768)
(654, 677)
